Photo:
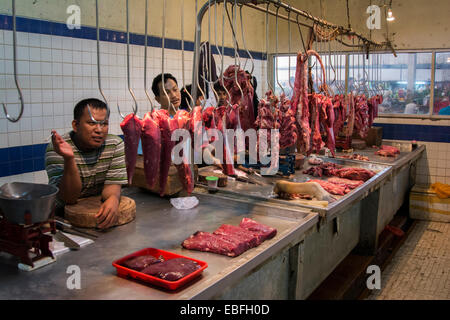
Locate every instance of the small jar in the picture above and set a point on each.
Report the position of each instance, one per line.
(212, 183)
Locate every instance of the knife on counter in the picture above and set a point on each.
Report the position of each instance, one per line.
(67, 227)
(69, 243)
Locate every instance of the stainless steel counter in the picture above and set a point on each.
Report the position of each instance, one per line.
(265, 193)
(407, 154)
(161, 226)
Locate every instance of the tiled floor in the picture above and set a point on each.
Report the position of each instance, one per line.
(420, 269)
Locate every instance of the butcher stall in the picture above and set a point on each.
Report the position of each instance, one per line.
(160, 225)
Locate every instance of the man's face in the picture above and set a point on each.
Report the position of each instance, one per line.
(222, 97)
(90, 134)
(173, 93)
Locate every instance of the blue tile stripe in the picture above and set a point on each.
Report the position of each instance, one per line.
(23, 159)
(415, 132)
(60, 29)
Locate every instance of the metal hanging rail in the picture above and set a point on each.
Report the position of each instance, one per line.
(340, 30)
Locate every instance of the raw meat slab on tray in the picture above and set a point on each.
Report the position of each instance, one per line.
(230, 240)
(173, 269)
(141, 262)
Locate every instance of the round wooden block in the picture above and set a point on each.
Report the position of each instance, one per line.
(83, 213)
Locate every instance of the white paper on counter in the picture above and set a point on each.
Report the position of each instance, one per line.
(58, 248)
(184, 203)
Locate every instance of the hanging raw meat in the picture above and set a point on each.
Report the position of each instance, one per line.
(247, 117)
(131, 127)
(288, 127)
(162, 117)
(151, 148)
(183, 120)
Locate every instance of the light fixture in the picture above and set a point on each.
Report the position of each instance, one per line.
(390, 15)
(448, 59)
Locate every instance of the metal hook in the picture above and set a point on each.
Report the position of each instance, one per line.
(128, 65)
(98, 122)
(331, 68)
(267, 49)
(145, 57)
(289, 49)
(243, 42)
(301, 34)
(276, 50)
(237, 67)
(223, 54)
(162, 56)
(209, 58)
(19, 90)
(99, 78)
(192, 104)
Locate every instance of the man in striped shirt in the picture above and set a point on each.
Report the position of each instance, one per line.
(88, 161)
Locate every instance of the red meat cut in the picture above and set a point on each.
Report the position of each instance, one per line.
(173, 269)
(237, 232)
(355, 173)
(331, 187)
(141, 262)
(131, 127)
(208, 242)
(151, 148)
(351, 184)
(264, 231)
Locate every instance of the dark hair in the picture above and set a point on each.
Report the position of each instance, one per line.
(185, 99)
(80, 106)
(252, 79)
(158, 79)
(218, 87)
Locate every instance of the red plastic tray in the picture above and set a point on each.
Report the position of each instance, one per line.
(171, 285)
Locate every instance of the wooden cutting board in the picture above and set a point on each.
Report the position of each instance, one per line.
(173, 182)
(82, 214)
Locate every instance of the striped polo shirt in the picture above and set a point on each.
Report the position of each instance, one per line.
(105, 165)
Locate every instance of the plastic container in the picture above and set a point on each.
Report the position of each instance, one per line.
(212, 183)
(125, 272)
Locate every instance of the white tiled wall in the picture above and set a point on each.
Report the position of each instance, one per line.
(434, 166)
(56, 72)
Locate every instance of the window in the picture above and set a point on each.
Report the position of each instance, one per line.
(406, 81)
(283, 75)
(441, 105)
(334, 73)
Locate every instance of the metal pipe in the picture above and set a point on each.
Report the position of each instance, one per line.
(192, 104)
(19, 90)
(276, 53)
(145, 56)
(267, 50)
(245, 46)
(236, 68)
(222, 55)
(321, 22)
(128, 64)
(99, 78)
(289, 49)
(162, 55)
